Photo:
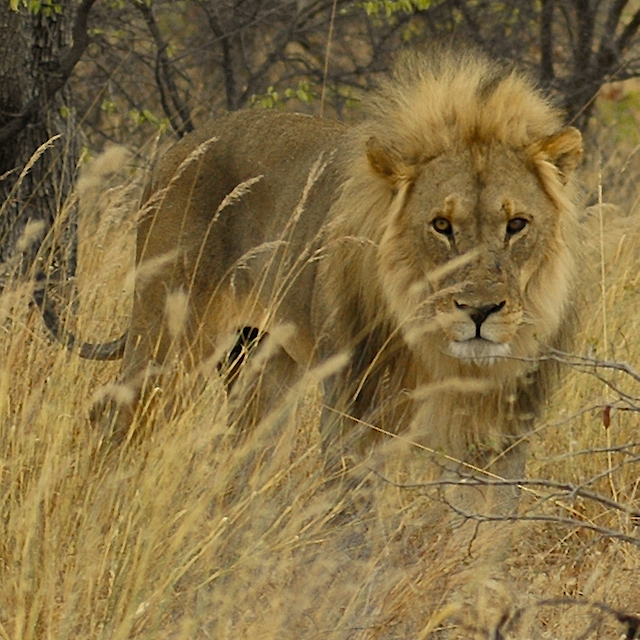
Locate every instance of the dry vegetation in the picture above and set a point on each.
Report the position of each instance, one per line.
(184, 535)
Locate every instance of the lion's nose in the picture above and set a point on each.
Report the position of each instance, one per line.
(480, 314)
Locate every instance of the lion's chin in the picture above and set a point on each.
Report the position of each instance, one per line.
(479, 351)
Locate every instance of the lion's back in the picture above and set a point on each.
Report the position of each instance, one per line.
(243, 200)
(263, 160)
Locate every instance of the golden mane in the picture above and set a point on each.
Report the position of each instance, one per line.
(440, 99)
(444, 100)
(432, 106)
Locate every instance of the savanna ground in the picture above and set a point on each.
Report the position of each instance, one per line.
(172, 537)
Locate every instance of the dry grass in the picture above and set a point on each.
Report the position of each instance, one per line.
(185, 535)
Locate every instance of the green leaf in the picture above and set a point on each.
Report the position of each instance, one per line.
(272, 99)
(374, 8)
(145, 116)
(269, 100)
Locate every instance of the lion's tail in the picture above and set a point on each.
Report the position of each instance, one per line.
(113, 350)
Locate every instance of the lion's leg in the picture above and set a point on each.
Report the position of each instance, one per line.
(486, 488)
(259, 384)
(262, 400)
(357, 415)
(341, 430)
(143, 378)
(248, 340)
(481, 521)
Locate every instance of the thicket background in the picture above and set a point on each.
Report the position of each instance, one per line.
(150, 542)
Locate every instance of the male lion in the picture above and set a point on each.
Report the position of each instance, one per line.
(432, 243)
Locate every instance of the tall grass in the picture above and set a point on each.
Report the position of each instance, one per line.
(189, 534)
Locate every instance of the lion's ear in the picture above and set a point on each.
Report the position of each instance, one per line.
(563, 150)
(388, 163)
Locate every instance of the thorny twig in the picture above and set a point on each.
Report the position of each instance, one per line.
(568, 491)
(567, 522)
(508, 622)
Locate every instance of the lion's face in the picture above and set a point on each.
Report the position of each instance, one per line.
(468, 256)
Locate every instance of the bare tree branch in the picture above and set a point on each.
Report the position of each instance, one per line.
(546, 42)
(565, 522)
(179, 115)
(629, 32)
(510, 621)
(570, 491)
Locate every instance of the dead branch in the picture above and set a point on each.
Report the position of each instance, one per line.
(177, 112)
(509, 622)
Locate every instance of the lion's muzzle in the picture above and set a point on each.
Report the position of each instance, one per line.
(481, 332)
(478, 315)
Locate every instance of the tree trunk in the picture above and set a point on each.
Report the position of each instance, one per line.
(33, 110)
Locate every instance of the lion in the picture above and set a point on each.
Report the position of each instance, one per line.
(432, 247)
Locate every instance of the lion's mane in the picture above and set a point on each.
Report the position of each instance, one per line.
(432, 105)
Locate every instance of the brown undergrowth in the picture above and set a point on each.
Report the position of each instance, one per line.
(188, 534)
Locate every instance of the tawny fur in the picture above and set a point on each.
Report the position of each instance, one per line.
(342, 234)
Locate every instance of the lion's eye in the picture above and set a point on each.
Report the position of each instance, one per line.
(443, 226)
(516, 225)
